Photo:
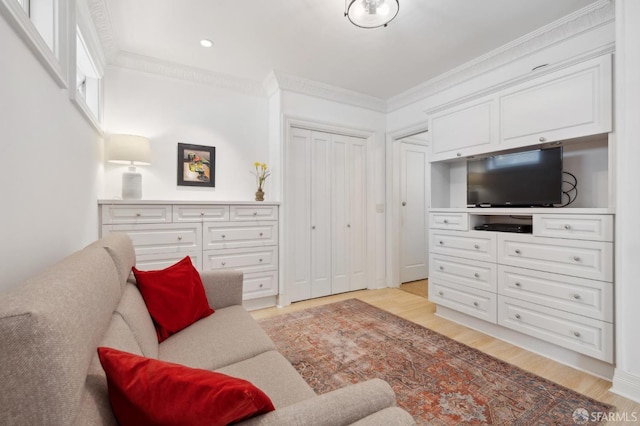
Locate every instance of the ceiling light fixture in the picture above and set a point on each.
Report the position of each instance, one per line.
(371, 13)
(206, 43)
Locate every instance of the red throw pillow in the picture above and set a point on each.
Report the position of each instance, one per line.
(174, 296)
(145, 391)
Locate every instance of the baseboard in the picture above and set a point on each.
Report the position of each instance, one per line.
(556, 353)
(626, 385)
(259, 303)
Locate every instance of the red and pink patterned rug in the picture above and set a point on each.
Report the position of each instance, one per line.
(438, 380)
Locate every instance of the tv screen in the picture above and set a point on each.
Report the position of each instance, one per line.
(522, 179)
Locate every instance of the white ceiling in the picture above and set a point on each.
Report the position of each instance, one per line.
(312, 39)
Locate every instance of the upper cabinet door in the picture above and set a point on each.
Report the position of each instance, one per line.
(566, 104)
(463, 130)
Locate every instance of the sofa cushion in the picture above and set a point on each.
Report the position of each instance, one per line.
(134, 312)
(230, 335)
(272, 372)
(174, 296)
(49, 328)
(121, 250)
(147, 391)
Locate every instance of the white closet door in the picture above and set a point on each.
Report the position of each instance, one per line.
(414, 254)
(298, 263)
(348, 214)
(320, 214)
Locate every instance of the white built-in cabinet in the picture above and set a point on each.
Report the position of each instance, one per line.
(569, 103)
(242, 236)
(326, 214)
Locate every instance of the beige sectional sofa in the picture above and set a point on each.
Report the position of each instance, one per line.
(51, 326)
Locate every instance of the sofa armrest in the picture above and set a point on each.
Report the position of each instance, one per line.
(337, 408)
(223, 287)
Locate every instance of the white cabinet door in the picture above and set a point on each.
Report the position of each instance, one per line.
(464, 130)
(414, 251)
(348, 212)
(566, 104)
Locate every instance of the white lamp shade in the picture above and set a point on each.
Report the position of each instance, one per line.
(128, 149)
(372, 13)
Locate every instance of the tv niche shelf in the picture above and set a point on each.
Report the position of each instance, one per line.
(549, 290)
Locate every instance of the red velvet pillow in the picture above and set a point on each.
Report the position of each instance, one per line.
(145, 391)
(174, 296)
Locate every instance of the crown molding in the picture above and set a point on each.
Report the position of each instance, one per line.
(592, 16)
(104, 28)
(196, 75)
(316, 89)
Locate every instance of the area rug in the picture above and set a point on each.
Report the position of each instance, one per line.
(436, 379)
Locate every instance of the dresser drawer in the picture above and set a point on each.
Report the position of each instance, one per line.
(260, 284)
(476, 245)
(580, 296)
(477, 303)
(585, 335)
(586, 259)
(113, 214)
(154, 262)
(248, 260)
(472, 273)
(239, 234)
(200, 213)
(580, 227)
(453, 221)
(253, 213)
(168, 238)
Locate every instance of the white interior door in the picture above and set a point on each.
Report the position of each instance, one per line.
(414, 187)
(320, 214)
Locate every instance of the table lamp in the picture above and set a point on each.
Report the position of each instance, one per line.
(134, 151)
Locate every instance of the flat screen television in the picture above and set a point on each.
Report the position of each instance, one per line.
(522, 179)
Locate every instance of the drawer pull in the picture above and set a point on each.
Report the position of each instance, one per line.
(223, 236)
(201, 213)
(476, 304)
(517, 316)
(446, 221)
(179, 238)
(576, 258)
(259, 260)
(313, 227)
(518, 251)
(567, 226)
(576, 333)
(261, 285)
(518, 284)
(441, 268)
(138, 214)
(477, 275)
(542, 139)
(255, 213)
(441, 242)
(348, 225)
(576, 296)
(458, 154)
(224, 263)
(441, 293)
(476, 246)
(261, 234)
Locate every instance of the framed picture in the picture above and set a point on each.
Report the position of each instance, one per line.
(196, 165)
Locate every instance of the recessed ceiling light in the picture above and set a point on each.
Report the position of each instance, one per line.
(206, 43)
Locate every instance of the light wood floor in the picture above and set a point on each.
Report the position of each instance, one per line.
(419, 310)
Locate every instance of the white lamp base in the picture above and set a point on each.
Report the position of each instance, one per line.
(131, 185)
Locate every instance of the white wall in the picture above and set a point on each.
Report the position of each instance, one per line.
(627, 292)
(168, 111)
(50, 170)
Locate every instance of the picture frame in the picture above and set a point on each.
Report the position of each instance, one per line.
(196, 165)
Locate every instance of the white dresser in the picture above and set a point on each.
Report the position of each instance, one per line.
(554, 284)
(216, 235)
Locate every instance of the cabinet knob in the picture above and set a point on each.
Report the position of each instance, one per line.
(224, 263)
(179, 238)
(404, 203)
(259, 260)
(441, 268)
(576, 296)
(517, 316)
(261, 285)
(476, 246)
(477, 275)
(476, 304)
(446, 221)
(567, 226)
(440, 293)
(348, 225)
(441, 242)
(255, 213)
(518, 251)
(518, 284)
(138, 214)
(223, 236)
(201, 213)
(576, 258)
(576, 333)
(313, 227)
(458, 154)
(542, 139)
(261, 234)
